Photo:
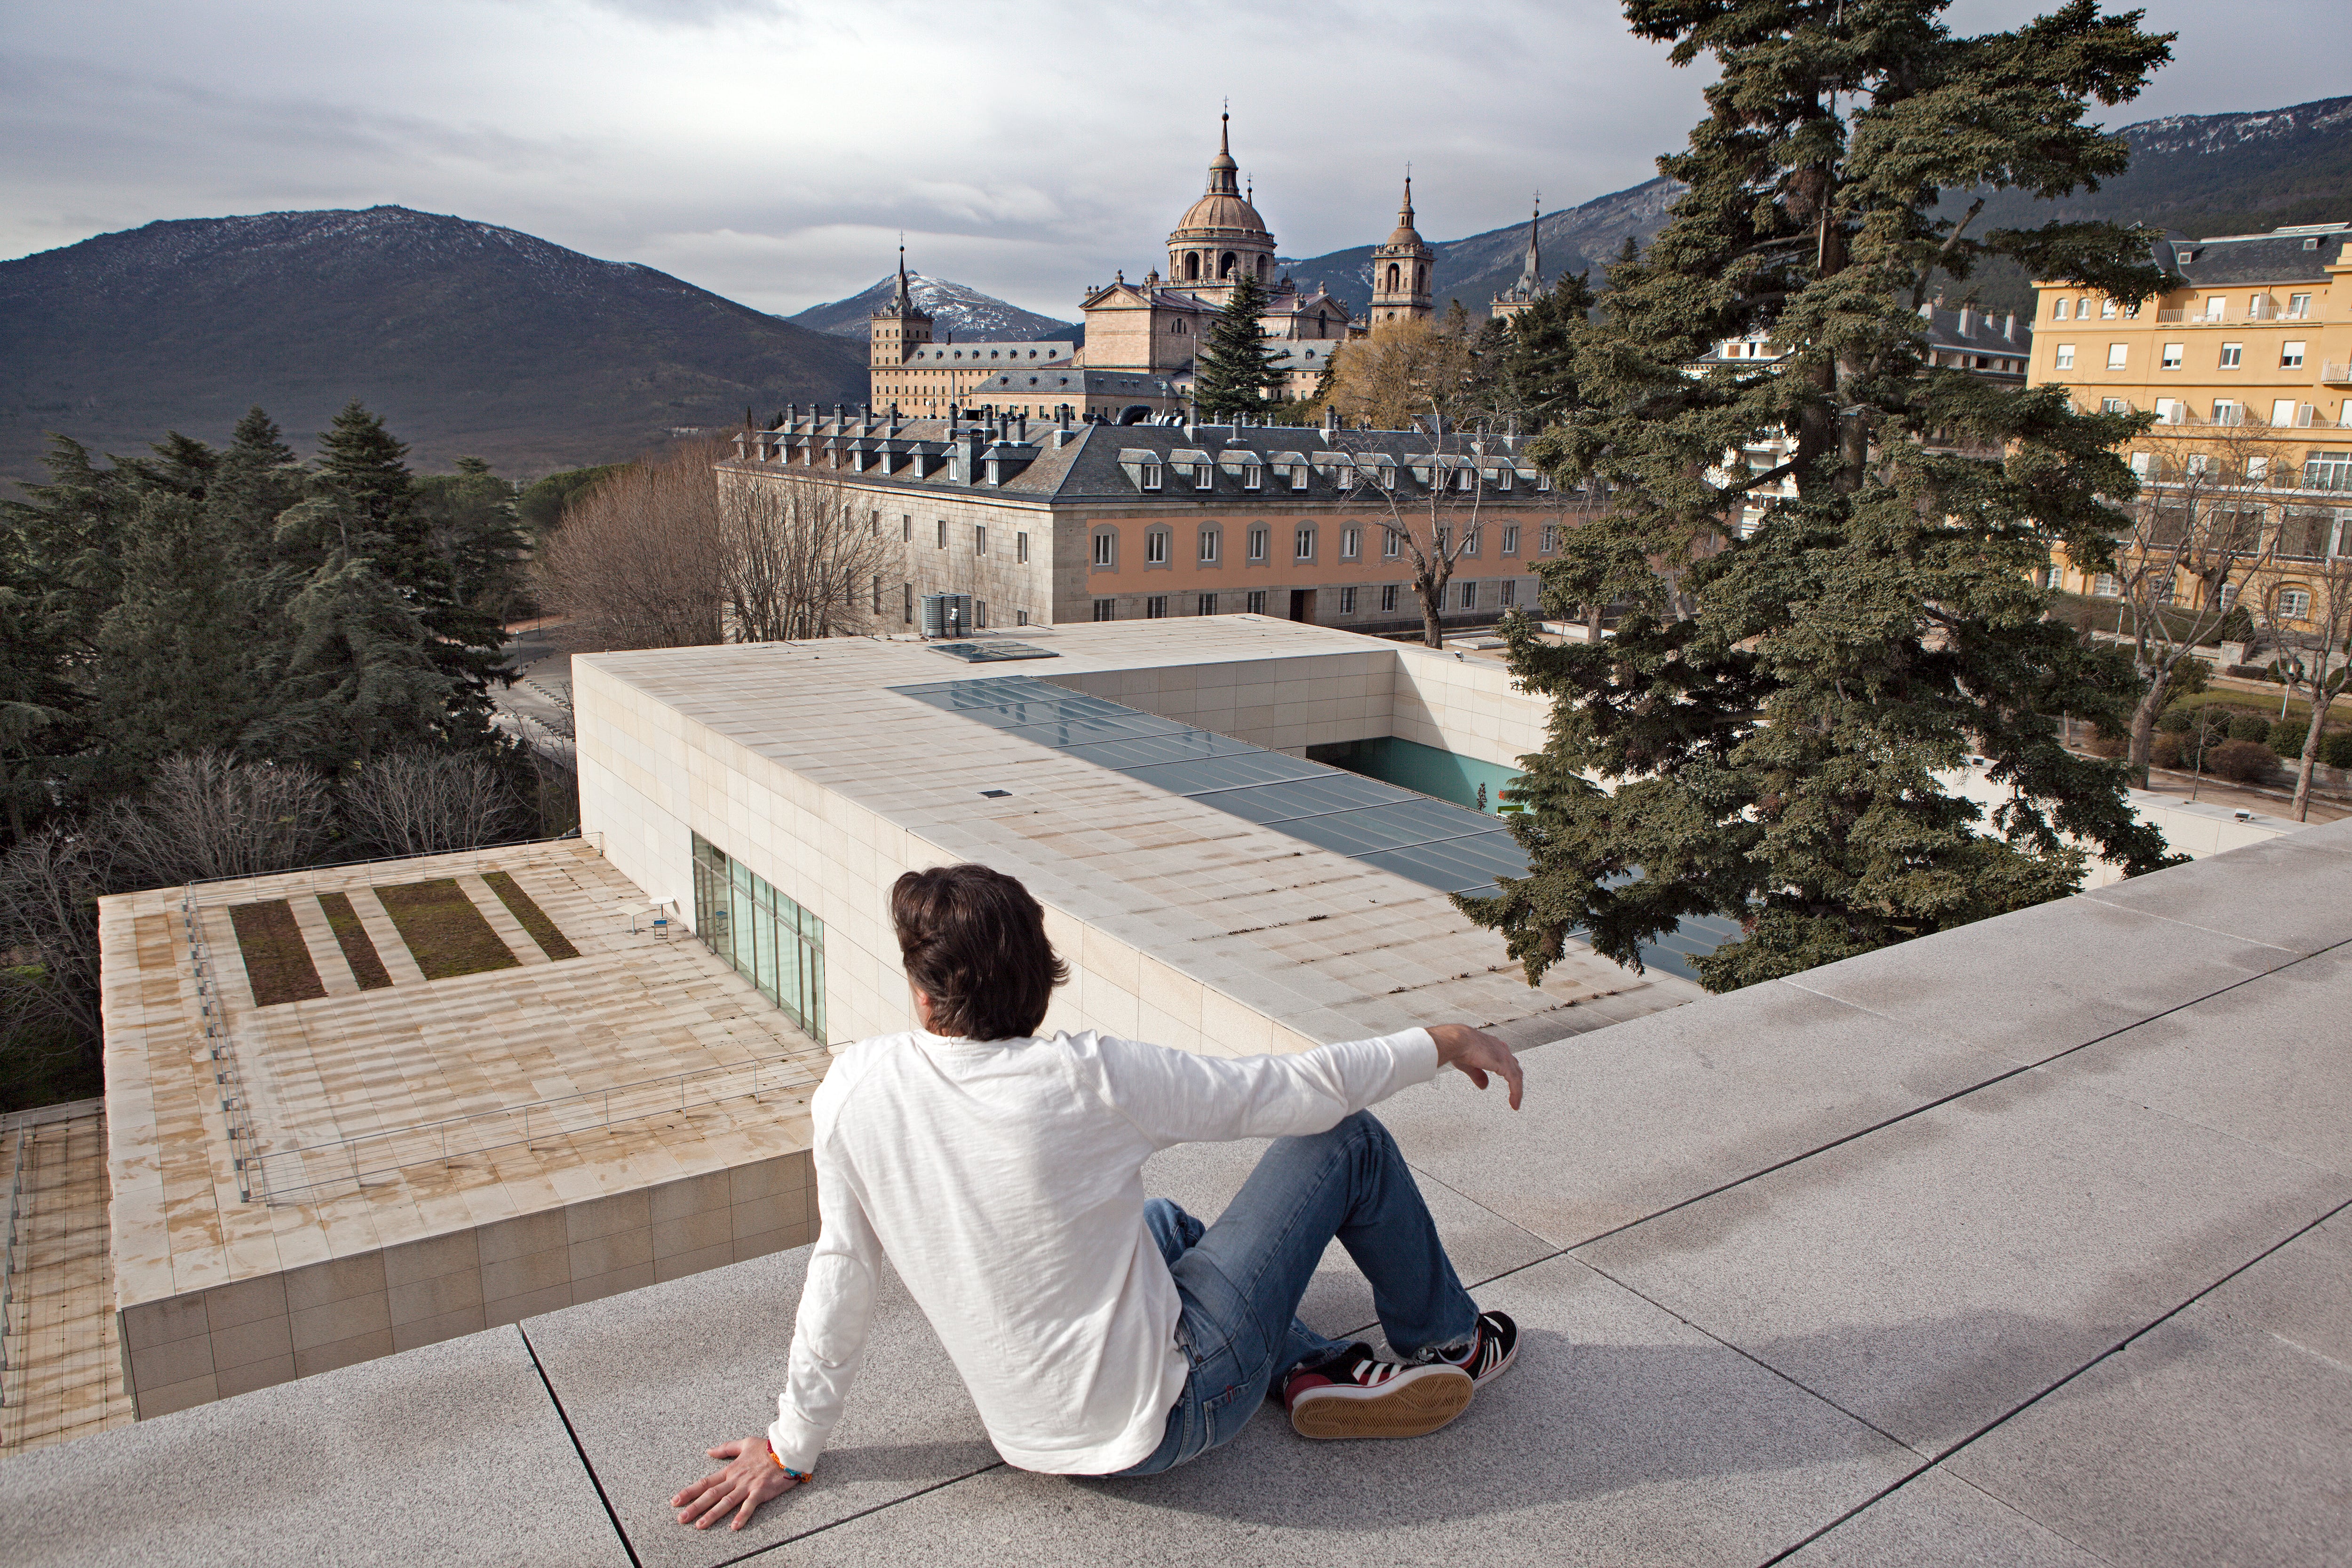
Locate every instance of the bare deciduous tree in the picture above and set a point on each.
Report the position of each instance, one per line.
(799, 561)
(639, 560)
(51, 882)
(2321, 637)
(429, 803)
(1435, 502)
(208, 815)
(2199, 524)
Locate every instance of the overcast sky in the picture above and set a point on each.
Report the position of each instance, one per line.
(773, 150)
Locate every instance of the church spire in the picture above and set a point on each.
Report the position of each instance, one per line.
(1531, 273)
(1221, 168)
(901, 299)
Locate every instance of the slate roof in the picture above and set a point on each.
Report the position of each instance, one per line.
(2298, 254)
(1088, 466)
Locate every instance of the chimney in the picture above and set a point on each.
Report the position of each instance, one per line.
(954, 414)
(967, 448)
(1062, 415)
(2009, 326)
(1330, 419)
(1023, 426)
(1967, 327)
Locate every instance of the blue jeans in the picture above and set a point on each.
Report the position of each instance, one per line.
(1241, 1278)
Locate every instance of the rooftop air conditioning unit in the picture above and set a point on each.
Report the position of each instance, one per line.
(947, 615)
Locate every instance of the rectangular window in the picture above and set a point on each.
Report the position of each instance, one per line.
(1155, 547)
(1209, 537)
(2170, 410)
(1391, 544)
(1020, 547)
(2229, 594)
(2283, 412)
(1260, 540)
(1387, 595)
(979, 538)
(768, 939)
(1351, 543)
(1299, 476)
(1445, 540)
(1106, 609)
(2298, 306)
(2115, 406)
(2294, 604)
(878, 595)
(1155, 609)
(1106, 548)
(1208, 605)
(1253, 476)
(2327, 471)
(1551, 537)
(1510, 592)
(2118, 355)
(1347, 601)
(2226, 412)
(1303, 545)
(1503, 478)
(908, 615)
(1149, 479)
(2062, 311)
(1020, 617)
(2066, 356)
(2105, 586)
(2172, 353)
(2291, 356)
(2232, 355)
(979, 615)
(907, 530)
(1476, 542)
(1469, 596)
(1257, 602)
(1511, 539)
(1203, 476)
(1388, 476)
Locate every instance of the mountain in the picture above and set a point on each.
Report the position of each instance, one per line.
(2198, 176)
(1475, 269)
(467, 338)
(954, 309)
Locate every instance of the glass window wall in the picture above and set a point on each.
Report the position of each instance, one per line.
(772, 941)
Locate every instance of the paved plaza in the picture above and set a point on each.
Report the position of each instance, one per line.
(2027, 1244)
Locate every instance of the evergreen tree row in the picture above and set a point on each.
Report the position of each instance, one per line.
(240, 600)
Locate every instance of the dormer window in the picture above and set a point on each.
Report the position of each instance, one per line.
(1253, 476)
(1203, 476)
(1151, 481)
(1298, 475)
(1502, 479)
(1388, 476)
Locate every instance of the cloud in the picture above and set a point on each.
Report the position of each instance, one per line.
(773, 151)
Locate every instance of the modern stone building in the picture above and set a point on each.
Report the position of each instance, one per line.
(1048, 523)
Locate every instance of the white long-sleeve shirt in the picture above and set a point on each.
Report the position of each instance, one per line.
(1004, 1178)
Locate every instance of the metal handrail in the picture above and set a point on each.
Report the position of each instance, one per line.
(8, 1257)
(793, 1072)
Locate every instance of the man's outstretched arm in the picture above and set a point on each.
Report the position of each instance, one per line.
(1474, 1053)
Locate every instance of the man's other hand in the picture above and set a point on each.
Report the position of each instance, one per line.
(1478, 1053)
(751, 1479)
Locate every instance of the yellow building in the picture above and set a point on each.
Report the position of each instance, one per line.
(2248, 368)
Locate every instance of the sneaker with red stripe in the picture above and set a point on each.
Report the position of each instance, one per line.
(1489, 1353)
(1357, 1395)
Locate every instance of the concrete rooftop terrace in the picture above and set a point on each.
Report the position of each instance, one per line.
(2025, 1243)
(426, 1157)
(1182, 923)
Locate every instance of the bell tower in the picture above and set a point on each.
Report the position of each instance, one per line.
(898, 328)
(1401, 271)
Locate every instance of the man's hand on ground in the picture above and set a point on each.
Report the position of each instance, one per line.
(751, 1479)
(1477, 1054)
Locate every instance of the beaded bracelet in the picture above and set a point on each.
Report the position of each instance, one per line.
(804, 1477)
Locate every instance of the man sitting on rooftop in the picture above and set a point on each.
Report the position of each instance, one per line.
(1100, 1334)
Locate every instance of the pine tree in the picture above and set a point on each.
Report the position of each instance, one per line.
(258, 478)
(470, 523)
(1774, 711)
(364, 489)
(360, 678)
(1538, 374)
(1236, 367)
(180, 654)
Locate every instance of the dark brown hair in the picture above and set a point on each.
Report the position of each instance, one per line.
(973, 941)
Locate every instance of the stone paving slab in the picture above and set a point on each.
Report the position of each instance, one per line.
(2265, 1062)
(2221, 1436)
(449, 1455)
(2045, 979)
(1937, 1520)
(1936, 1274)
(1619, 1124)
(1621, 1436)
(652, 1378)
(2296, 911)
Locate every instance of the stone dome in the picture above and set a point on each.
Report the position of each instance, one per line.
(1222, 212)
